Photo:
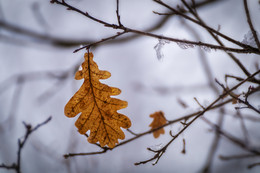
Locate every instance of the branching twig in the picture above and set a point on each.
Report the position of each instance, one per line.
(117, 13)
(65, 42)
(139, 135)
(188, 119)
(246, 48)
(160, 152)
(249, 21)
(101, 41)
(21, 142)
(240, 100)
(255, 81)
(203, 25)
(236, 60)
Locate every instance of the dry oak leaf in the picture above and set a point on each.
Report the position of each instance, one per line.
(158, 120)
(98, 110)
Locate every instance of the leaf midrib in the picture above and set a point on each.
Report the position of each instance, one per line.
(95, 102)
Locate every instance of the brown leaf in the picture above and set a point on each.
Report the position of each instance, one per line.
(158, 120)
(234, 98)
(98, 110)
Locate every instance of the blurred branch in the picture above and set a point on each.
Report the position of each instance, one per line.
(247, 117)
(19, 80)
(21, 142)
(40, 75)
(253, 165)
(233, 139)
(209, 75)
(42, 37)
(243, 127)
(39, 16)
(241, 156)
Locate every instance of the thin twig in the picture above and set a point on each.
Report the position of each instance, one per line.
(241, 156)
(21, 142)
(233, 139)
(209, 76)
(243, 127)
(240, 100)
(255, 81)
(117, 13)
(204, 26)
(183, 151)
(160, 152)
(139, 135)
(101, 41)
(236, 60)
(249, 21)
(253, 165)
(246, 48)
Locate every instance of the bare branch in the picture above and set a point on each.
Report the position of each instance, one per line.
(246, 48)
(249, 21)
(21, 142)
(241, 156)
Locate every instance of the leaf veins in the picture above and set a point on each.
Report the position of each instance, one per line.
(98, 110)
(158, 120)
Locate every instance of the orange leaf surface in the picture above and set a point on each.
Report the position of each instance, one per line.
(158, 120)
(98, 110)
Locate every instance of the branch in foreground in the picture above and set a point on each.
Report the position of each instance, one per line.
(43, 38)
(139, 135)
(240, 100)
(249, 21)
(199, 19)
(21, 142)
(201, 23)
(101, 41)
(160, 152)
(245, 49)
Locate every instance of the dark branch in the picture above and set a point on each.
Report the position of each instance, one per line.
(249, 21)
(21, 142)
(246, 48)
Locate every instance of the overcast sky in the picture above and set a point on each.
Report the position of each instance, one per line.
(148, 84)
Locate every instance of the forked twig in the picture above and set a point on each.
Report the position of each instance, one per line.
(21, 142)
